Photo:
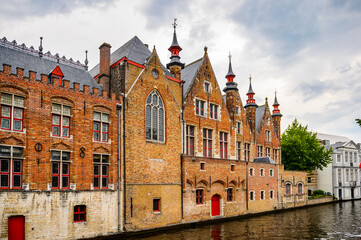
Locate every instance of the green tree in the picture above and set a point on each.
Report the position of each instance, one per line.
(301, 149)
(358, 121)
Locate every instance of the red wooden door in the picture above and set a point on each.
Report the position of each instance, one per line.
(16, 228)
(215, 205)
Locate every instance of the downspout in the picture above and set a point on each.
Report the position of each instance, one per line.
(124, 163)
(119, 109)
(181, 160)
(247, 197)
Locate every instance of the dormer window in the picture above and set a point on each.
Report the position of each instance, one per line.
(57, 73)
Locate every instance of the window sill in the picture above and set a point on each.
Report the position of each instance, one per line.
(59, 137)
(14, 131)
(108, 142)
(157, 212)
(155, 142)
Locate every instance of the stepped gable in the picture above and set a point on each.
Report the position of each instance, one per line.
(260, 111)
(19, 56)
(189, 74)
(134, 50)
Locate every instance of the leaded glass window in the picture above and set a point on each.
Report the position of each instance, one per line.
(154, 117)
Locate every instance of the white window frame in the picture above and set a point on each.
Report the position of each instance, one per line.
(271, 173)
(262, 172)
(211, 106)
(254, 195)
(101, 123)
(260, 195)
(209, 87)
(62, 115)
(199, 109)
(249, 172)
(12, 107)
(273, 194)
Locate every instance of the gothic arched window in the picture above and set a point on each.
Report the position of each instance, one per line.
(154, 117)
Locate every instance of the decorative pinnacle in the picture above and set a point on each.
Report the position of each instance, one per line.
(57, 57)
(174, 24)
(205, 48)
(86, 60)
(41, 47)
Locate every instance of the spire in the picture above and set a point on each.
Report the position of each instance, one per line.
(230, 85)
(175, 64)
(250, 101)
(276, 112)
(86, 60)
(41, 47)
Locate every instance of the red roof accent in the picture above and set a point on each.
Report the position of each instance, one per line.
(174, 79)
(57, 71)
(126, 59)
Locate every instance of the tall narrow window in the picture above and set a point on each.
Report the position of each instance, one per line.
(12, 112)
(101, 169)
(154, 118)
(61, 120)
(260, 151)
(190, 140)
(239, 150)
(247, 151)
(80, 213)
(271, 194)
(229, 194)
(275, 155)
(268, 151)
(251, 195)
(299, 188)
(262, 195)
(239, 128)
(60, 169)
(11, 167)
(223, 144)
(268, 135)
(288, 188)
(213, 111)
(207, 142)
(200, 111)
(101, 126)
(199, 196)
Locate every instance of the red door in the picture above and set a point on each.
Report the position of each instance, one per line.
(215, 205)
(16, 228)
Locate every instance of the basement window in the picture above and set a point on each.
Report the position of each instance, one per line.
(80, 213)
(156, 205)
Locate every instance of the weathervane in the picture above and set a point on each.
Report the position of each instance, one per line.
(250, 78)
(230, 56)
(275, 92)
(174, 23)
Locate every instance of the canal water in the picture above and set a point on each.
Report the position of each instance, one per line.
(330, 221)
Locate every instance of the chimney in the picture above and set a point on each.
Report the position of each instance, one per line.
(104, 66)
(146, 45)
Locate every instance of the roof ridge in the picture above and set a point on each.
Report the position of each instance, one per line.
(193, 62)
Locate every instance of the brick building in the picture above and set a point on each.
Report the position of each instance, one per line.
(130, 145)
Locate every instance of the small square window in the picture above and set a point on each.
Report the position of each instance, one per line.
(156, 205)
(232, 167)
(80, 213)
(203, 165)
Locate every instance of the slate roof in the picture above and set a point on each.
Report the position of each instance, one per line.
(134, 50)
(333, 138)
(260, 111)
(29, 60)
(264, 160)
(189, 74)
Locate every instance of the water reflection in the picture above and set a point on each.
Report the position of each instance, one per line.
(332, 221)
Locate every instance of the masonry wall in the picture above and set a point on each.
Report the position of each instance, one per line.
(153, 169)
(294, 198)
(36, 200)
(50, 215)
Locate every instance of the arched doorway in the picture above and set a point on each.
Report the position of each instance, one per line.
(215, 205)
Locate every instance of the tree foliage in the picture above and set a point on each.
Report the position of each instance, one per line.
(301, 149)
(358, 121)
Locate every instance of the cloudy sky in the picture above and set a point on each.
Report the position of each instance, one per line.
(309, 51)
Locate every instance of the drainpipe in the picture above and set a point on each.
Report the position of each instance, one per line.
(247, 197)
(119, 109)
(124, 167)
(182, 142)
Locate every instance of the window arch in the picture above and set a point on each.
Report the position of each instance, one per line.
(299, 188)
(288, 190)
(154, 117)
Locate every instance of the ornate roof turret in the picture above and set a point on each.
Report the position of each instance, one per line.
(276, 112)
(230, 85)
(250, 101)
(175, 49)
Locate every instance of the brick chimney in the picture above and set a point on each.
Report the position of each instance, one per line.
(104, 66)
